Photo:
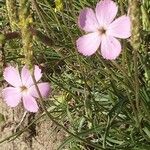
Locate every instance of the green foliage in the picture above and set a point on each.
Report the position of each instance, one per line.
(97, 102)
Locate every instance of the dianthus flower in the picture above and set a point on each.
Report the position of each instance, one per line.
(102, 31)
(23, 88)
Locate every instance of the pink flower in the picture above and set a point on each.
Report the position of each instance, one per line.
(23, 88)
(102, 30)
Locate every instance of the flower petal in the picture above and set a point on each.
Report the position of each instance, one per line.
(110, 48)
(12, 76)
(11, 96)
(120, 28)
(30, 103)
(26, 75)
(87, 20)
(106, 11)
(88, 44)
(37, 73)
(44, 90)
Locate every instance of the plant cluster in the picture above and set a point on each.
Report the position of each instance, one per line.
(99, 78)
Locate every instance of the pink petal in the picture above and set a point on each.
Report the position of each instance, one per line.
(44, 90)
(37, 73)
(106, 11)
(27, 78)
(88, 44)
(120, 28)
(11, 96)
(12, 76)
(110, 48)
(30, 103)
(87, 20)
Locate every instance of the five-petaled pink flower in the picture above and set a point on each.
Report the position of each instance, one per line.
(102, 30)
(23, 87)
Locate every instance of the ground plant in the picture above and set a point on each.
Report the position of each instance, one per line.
(82, 64)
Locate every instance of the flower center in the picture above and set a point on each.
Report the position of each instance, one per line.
(102, 31)
(23, 89)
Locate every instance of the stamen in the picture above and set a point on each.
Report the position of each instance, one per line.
(23, 88)
(102, 31)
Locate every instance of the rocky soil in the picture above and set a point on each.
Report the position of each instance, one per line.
(43, 135)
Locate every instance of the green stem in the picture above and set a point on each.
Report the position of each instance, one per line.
(58, 124)
(123, 71)
(135, 14)
(25, 19)
(12, 13)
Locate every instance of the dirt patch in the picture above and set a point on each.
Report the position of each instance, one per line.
(43, 135)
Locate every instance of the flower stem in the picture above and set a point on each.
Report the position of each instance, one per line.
(12, 13)
(57, 123)
(25, 19)
(135, 14)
